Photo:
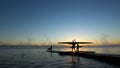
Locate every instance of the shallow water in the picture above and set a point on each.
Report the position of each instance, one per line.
(39, 58)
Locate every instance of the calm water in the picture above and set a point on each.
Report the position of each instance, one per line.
(39, 58)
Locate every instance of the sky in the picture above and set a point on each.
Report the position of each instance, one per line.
(50, 21)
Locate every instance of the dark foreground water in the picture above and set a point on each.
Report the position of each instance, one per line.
(39, 58)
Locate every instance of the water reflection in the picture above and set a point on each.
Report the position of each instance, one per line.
(80, 62)
(75, 61)
(39, 58)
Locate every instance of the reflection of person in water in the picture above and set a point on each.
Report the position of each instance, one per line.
(75, 62)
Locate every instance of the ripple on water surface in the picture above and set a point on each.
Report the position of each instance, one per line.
(39, 58)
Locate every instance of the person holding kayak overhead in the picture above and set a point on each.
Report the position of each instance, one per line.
(73, 45)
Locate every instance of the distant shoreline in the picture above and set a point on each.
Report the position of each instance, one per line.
(39, 46)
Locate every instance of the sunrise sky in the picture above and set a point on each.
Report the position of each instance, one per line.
(50, 21)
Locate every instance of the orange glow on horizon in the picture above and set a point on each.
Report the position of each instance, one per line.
(37, 42)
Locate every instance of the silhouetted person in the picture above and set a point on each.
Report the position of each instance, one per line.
(50, 49)
(78, 47)
(73, 47)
